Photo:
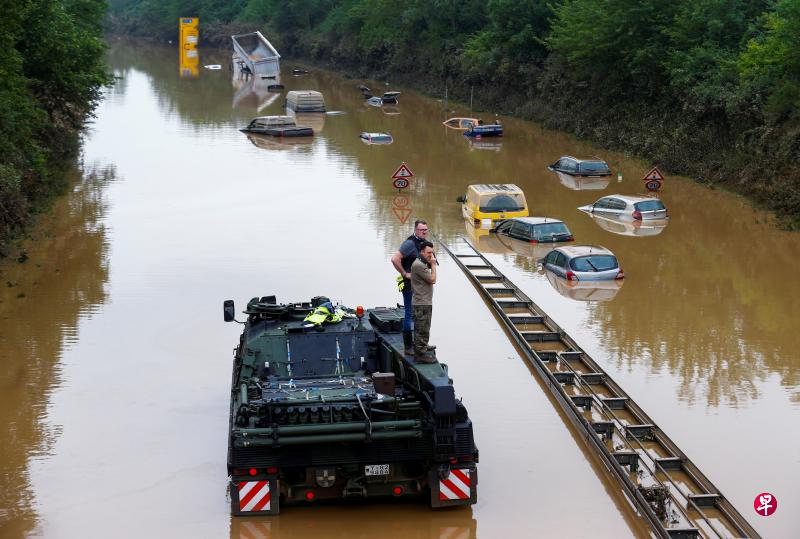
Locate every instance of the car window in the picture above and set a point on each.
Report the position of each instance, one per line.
(520, 230)
(551, 257)
(504, 227)
(561, 260)
(594, 263)
(594, 166)
(501, 203)
(547, 231)
(649, 205)
(616, 204)
(570, 165)
(602, 204)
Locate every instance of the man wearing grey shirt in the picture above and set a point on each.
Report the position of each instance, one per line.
(423, 277)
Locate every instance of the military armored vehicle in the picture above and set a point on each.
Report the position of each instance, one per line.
(325, 405)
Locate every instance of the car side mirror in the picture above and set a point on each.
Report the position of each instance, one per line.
(462, 199)
(228, 310)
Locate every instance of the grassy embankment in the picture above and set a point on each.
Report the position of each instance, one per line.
(51, 75)
(705, 88)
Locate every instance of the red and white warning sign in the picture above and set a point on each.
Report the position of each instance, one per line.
(402, 172)
(457, 486)
(653, 175)
(254, 496)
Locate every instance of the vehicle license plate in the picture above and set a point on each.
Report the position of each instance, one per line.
(376, 469)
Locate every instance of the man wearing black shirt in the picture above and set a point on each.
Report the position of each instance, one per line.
(402, 260)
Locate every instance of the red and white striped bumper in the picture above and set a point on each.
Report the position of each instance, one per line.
(458, 487)
(254, 497)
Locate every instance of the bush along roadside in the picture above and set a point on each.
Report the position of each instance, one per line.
(51, 77)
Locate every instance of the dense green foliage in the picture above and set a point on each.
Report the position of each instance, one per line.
(710, 88)
(51, 73)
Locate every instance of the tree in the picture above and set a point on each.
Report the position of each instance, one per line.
(771, 61)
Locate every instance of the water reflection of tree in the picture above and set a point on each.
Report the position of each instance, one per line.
(721, 334)
(63, 281)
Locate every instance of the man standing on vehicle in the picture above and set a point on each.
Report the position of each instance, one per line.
(402, 260)
(423, 277)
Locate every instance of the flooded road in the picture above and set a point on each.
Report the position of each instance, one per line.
(116, 363)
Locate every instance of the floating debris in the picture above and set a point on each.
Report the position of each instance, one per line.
(656, 496)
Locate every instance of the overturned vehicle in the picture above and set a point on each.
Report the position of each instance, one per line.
(326, 406)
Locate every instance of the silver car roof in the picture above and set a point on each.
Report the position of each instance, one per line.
(583, 250)
(631, 199)
(592, 160)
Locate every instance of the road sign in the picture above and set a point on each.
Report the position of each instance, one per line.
(402, 172)
(653, 174)
(653, 185)
(400, 183)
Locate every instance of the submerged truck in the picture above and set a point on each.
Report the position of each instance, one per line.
(325, 405)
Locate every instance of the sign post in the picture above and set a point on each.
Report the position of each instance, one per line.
(402, 176)
(653, 179)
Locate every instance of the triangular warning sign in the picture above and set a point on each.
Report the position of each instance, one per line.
(653, 174)
(402, 172)
(402, 214)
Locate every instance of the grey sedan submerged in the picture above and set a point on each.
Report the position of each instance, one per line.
(583, 263)
(628, 208)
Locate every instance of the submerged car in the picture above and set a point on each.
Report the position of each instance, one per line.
(581, 167)
(462, 123)
(305, 101)
(628, 208)
(583, 263)
(485, 203)
(277, 126)
(485, 130)
(535, 229)
(376, 138)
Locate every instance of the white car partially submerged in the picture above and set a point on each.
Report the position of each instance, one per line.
(628, 208)
(376, 138)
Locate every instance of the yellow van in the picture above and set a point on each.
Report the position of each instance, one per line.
(485, 203)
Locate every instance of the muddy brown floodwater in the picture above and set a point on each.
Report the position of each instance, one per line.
(115, 372)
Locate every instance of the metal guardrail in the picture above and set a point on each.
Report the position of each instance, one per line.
(667, 489)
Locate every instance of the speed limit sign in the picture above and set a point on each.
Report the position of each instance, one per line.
(653, 185)
(400, 183)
